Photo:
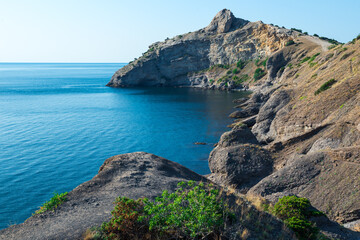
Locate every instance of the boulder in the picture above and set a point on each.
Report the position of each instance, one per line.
(239, 166)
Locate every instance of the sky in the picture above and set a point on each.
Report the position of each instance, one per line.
(119, 31)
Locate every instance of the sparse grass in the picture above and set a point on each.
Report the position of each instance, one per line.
(314, 75)
(53, 203)
(291, 42)
(331, 46)
(259, 73)
(346, 55)
(305, 59)
(290, 65)
(325, 86)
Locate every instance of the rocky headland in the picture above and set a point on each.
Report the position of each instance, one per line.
(298, 133)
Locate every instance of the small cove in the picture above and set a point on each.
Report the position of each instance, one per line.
(59, 123)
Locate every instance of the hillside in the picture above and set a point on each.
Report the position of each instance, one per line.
(303, 114)
(298, 133)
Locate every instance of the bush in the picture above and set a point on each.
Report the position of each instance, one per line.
(235, 71)
(259, 73)
(191, 212)
(240, 64)
(325, 86)
(295, 212)
(228, 72)
(291, 42)
(53, 203)
(295, 29)
(315, 35)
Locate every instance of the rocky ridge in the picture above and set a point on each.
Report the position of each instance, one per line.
(298, 134)
(287, 138)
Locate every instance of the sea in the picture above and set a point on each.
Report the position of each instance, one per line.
(59, 123)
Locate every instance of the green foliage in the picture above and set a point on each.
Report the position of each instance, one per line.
(325, 86)
(315, 35)
(295, 29)
(124, 223)
(228, 72)
(313, 57)
(306, 33)
(290, 65)
(330, 40)
(191, 212)
(314, 75)
(331, 46)
(259, 73)
(235, 71)
(241, 79)
(151, 49)
(211, 81)
(240, 64)
(305, 59)
(53, 203)
(295, 212)
(291, 42)
(264, 62)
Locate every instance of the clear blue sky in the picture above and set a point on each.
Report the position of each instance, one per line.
(119, 31)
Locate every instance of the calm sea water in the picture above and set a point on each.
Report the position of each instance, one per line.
(59, 123)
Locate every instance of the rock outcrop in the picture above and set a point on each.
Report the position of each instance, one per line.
(177, 61)
(133, 175)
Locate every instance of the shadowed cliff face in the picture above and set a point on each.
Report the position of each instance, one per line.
(225, 41)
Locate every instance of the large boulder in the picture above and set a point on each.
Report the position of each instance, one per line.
(239, 166)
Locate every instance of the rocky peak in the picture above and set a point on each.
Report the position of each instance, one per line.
(222, 22)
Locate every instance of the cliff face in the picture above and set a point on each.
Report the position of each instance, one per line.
(299, 133)
(225, 41)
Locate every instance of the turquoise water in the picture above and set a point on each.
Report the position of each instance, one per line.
(59, 123)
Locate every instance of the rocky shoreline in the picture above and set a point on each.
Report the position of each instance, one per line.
(297, 134)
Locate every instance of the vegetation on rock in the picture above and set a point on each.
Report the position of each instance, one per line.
(259, 73)
(296, 212)
(53, 203)
(325, 86)
(191, 212)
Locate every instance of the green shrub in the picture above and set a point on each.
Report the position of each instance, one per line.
(259, 73)
(240, 64)
(290, 65)
(124, 223)
(191, 212)
(228, 72)
(211, 81)
(235, 71)
(315, 35)
(313, 57)
(291, 42)
(53, 203)
(331, 46)
(306, 33)
(295, 212)
(325, 86)
(264, 62)
(295, 29)
(305, 59)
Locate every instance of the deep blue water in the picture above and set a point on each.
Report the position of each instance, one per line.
(59, 123)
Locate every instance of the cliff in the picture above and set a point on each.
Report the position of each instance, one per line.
(174, 61)
(297, 134)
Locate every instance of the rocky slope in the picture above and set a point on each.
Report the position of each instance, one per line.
(133, 175)
(176, 61)
(299, 132)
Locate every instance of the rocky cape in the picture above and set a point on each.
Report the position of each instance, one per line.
(297, 134)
